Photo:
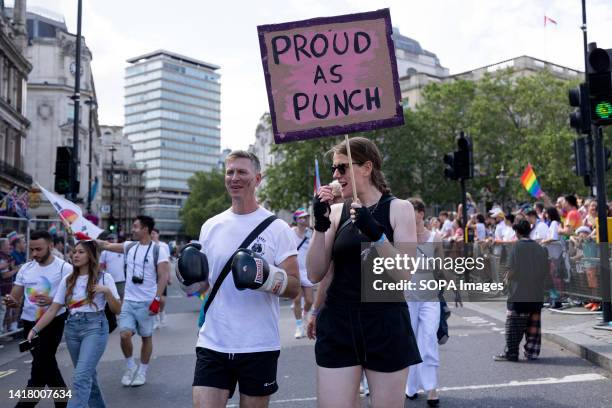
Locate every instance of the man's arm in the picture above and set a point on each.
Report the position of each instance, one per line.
(290, 266)
(108, 246)
(163, 274)
(15, 298)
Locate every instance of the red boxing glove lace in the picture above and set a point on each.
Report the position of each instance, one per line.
(154, 306)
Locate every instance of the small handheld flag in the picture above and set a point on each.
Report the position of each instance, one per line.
(531, 183)
(317, 180)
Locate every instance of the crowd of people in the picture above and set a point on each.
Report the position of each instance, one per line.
(246, 259)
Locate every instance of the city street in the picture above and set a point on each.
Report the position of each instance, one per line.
(468, 375)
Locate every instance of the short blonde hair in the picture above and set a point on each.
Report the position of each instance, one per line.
(243, 154)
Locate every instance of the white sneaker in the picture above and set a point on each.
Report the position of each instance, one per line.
(299, 332)
(156, 322)
(128, 376)
(162, 319)
(140, 379)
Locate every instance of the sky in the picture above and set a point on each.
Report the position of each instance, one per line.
(465, 34)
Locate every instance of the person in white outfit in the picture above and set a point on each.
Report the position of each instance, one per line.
(424, 309)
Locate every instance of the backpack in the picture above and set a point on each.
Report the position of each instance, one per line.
(130, 246)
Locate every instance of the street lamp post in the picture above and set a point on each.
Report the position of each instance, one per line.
(77, 101)
(502, 179)
(111, 218)
(91, 102)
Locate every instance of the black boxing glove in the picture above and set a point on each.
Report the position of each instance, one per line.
(368, 225)
(192, 268)
(251, 271)
(321, 211)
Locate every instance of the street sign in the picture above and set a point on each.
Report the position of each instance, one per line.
(331, 75)
(105, 209)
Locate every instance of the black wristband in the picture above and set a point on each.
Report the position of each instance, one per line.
(321, 212)
(322, 224)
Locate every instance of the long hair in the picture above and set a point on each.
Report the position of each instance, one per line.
(92, 272)
(363, 150)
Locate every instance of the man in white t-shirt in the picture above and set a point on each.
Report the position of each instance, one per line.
(539, 229)
(160, 319)
(147, 271)
(239, 341)
(447, 225)
(36, 284)
(114, 264)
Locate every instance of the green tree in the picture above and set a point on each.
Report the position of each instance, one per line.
(513, 120)
(208, 197)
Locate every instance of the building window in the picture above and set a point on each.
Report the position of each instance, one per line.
(6, 72)
(46, 30)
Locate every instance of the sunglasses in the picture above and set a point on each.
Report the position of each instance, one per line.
(342, 168)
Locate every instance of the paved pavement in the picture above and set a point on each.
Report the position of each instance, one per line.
(468, 375)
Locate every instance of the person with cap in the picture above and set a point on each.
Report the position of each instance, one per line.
(302, 240)
(498, 214)
(527, 270)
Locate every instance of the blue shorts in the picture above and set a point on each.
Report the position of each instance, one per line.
(135, 318)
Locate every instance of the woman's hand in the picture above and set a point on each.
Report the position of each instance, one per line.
(366, 223)
(311, 327)
(321, 208)
(33, 333)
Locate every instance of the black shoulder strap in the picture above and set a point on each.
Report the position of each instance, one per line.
(226, 269)
(302, 243)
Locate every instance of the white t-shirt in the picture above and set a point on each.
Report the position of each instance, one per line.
(242, 321)
(509, 234)
(114, 264)
(481, 232)
(78, 301)
(447, 227)
(539, 231)
(500, 229)
(303, 249)
(40, 280)
(553, 231)
(144, 268)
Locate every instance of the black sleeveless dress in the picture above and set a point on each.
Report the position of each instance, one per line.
(377, 336)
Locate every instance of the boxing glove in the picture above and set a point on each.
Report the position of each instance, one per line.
(192, 268)
(251, 271)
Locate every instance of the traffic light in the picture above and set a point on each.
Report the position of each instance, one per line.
(449, 171)
(599, 72)
(579, 157)
(464, 162)
(112, 224)
(580, 119)
(460, 164)
(63, 165)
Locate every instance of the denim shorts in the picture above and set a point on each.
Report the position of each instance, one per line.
(135, 318)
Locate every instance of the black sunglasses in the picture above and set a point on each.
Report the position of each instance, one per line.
(342, 168)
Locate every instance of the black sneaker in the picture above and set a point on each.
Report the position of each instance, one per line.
(504, 357)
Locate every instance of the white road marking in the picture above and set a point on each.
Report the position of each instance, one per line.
(7, 372)
(537, 381)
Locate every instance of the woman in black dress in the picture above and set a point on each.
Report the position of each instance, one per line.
(352, 335)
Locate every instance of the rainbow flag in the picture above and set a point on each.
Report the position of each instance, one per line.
(531, 183)
(317, 180)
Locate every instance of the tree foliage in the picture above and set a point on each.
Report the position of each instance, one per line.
(514, 119)
(208, 198)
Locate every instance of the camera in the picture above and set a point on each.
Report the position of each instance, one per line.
(137, 279)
